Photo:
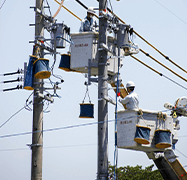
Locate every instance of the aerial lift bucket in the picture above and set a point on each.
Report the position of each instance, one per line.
(29, 78)
(42, 68)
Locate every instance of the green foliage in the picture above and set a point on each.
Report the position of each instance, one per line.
(135, 173)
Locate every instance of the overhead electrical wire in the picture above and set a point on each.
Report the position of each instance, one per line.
(63, 128)
(181, 153)
(137, 35)
(142, 39)
(49, 8)
(163, 65)
(69, 11)
(158, 72)
(149, 43)
(15, 114)
(58, 10)
(171, 12)
(160, 52)
(2, 4)
(69, 127)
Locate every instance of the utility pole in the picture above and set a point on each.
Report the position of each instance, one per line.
(102, 92)
(37, 131)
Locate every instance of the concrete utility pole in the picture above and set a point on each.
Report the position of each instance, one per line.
(102, 92)
(37, 138)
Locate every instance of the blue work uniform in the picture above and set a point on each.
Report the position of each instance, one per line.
(88, 24)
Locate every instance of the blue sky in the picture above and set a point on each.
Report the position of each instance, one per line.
(72, 153)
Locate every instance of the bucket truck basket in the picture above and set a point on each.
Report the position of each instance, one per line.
(144, 130)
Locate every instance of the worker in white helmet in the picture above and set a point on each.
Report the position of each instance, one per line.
(89, 23)
(131, 100)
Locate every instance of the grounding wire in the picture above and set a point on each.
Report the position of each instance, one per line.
(158, 72)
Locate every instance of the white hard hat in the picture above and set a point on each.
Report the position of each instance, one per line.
(130, 84)
(91, 10)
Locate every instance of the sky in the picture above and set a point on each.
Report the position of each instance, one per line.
(72, 153)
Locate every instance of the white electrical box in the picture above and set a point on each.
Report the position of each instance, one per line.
(158, 128)
(85, 47)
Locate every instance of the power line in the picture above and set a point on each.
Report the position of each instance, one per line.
(68, 127)
(159, 72)
(171, 12)
(166, 57)
(52, 147)
(163, 65)
(2, 4)
(63, 128)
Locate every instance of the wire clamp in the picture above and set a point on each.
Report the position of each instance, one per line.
(34, 145)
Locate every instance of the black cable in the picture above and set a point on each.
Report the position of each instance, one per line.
(17, 72)
(82, 4)
(49, 8)
(11, 89)
(16, 80)
(111, 5)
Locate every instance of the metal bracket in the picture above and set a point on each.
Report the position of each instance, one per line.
(34, 145)
(46, 97)
(108, 100)
(65, 39)
(104, 46)
(38, 43)
(90, 64)
(49, 18)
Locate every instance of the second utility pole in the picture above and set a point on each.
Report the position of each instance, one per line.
(37, 137)
(102, 92)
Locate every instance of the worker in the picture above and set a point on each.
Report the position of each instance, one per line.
(89, 23)
(131, 100)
